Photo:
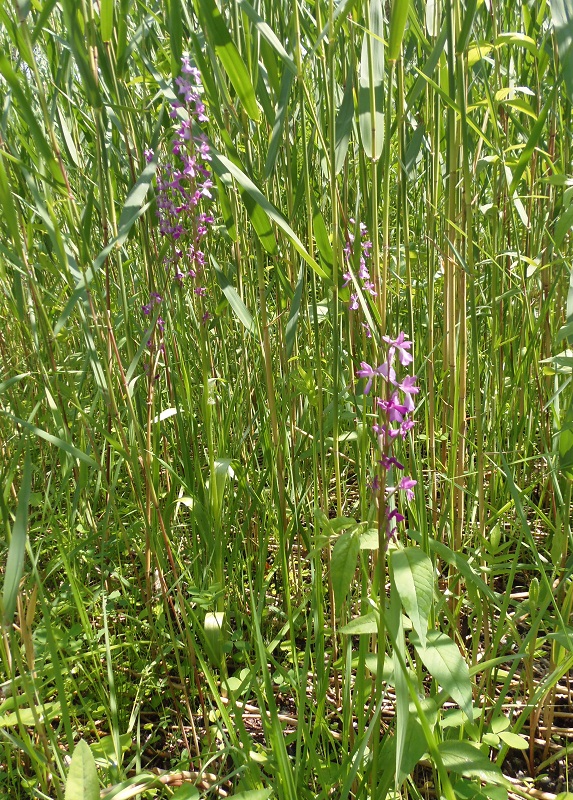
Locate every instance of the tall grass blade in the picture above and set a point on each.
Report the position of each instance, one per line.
(17, 549)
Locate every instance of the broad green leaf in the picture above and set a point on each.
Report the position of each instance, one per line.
(445, 664)
(223, 165)
(292, 323)
(562, 16)
(464, 758)
(266, 32)
(82, 782)
(17, 548)
(371, 85)
(366, 624)
(413, 150)
(175, 27)
(187, 792)
(413, 577)
(532, 141)
(402, 705)
(518, 39)
(499, 724)
(398, 18)
(466, 29)
(429, 69)
(254, 794)
(563, 225)
(322, 239)
(133, 208)
(8, 206)
(55, 440)
(106, 19)
(569, 311)
(415, 744)
(460, 562)
(369, 539)
(343, 565)
(430, 17)
(77, 41)
(29, 716)
(228, 54)
(344, 119)
(26, 109)
(514, 740)
(279, 123)
(215, 636)
(241, 311)
(104, 751)
(566, 444)
(223, 471)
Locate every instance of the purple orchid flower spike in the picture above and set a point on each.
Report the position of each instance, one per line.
(402, 345)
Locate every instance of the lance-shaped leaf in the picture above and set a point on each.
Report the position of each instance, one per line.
(343, 565)
(224, 166)
(17, 549)
(371, 86)
(398, 18)
(445, 664)
(229, 56)
(562, 15)
(413, 576)
(82, 782)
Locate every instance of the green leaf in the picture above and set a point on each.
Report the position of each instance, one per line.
(104, 749)
(29, 717)
(106, 19)
(563, 225)
(322, 239)
(26, 109)
(55, 440)
(278, 126)
(187, 792)
(343, 565)
(254, 794)
(82, 782)
(463, 38)
(562, 16)
(532, 141)
(17, 549)
(398, 18)
(369, 539)
(467, 759)
(413, 577)
(175, 28)
(133, 209)
(9, 208)
(402, 705)
(241, 311)
(343, 125)
(292, 323)
(224, 166)
(514, 740)
(267, 33)
(228, 55)
(445, 664)
(371, 85)
(366, 624)
(566, 443)
(215, 637)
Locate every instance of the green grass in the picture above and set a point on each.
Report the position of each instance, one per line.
(189, 523)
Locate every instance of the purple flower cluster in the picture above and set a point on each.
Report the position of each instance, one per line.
(363, 272)
(184, 188)
(394, 412)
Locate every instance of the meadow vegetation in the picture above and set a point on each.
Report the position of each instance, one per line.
(286, 412)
